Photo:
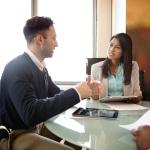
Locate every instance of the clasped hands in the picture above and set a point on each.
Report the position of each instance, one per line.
(95, 86)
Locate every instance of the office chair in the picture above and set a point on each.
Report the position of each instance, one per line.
(4, 137)
(91, 61)
(142, 82)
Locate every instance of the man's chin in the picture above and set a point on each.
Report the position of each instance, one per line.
(49, 55)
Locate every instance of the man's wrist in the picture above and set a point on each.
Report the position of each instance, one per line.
(78, 94)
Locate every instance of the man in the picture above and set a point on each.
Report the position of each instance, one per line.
(28, 94)
(142, 137)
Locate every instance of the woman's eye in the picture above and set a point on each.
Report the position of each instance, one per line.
(118, 47)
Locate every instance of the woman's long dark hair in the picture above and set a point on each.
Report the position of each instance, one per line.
(126, 58)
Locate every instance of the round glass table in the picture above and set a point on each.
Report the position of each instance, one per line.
(96, 133)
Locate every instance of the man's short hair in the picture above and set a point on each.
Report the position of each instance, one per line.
(36, 25)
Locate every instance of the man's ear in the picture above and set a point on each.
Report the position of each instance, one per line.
(38, 39)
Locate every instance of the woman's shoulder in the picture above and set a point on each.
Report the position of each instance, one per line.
(134, 63)
(99, 64)
(96, 70)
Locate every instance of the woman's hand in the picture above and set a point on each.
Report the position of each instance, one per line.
(135, 100)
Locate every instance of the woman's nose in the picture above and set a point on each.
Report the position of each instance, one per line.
(111, 49)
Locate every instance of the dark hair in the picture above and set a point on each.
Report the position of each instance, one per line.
(36, 25)
(126, 45)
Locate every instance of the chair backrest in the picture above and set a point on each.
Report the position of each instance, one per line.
(4, 133)
(91, 61)
(142, 82)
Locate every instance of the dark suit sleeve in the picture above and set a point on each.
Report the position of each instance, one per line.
(33, 110)
(39, 110)
(52, 88)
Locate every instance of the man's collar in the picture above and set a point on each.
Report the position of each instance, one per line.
(40, 65)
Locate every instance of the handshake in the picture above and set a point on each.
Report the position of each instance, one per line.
(90, 88)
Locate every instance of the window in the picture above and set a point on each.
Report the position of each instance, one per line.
(13, 15)
(73, 21)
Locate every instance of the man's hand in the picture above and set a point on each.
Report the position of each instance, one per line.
(84, 90)
(142, 137)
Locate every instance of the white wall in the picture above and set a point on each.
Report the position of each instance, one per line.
(104, 24)
(119, 16)
(111, 19)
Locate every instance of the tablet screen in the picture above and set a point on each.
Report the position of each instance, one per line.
(93, 112)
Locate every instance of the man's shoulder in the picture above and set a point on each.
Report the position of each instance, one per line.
(18, 65)
(18, 61)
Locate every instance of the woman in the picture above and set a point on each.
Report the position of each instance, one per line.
(118, 74)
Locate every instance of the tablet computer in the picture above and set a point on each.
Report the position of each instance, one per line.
(94, 112)
(117, 98)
